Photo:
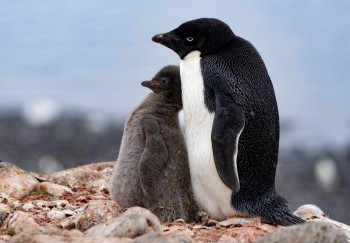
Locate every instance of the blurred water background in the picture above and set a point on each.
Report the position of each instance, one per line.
(70, 74)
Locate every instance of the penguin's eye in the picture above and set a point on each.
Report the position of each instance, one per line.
(164, 81)
(189, 38)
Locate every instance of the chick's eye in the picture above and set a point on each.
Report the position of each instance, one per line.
(189, 38)
(163, 80)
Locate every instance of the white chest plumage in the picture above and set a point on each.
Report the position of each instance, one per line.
(210, 192)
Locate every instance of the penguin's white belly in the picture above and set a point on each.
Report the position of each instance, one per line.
(209, 191)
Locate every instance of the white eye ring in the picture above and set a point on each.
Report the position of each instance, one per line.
(189, 38)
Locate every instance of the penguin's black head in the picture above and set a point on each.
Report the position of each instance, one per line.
(166, 82)
(206, 35)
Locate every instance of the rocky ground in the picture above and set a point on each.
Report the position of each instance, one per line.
(76, 139)
(73, 206)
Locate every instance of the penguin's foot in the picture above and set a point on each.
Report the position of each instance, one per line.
(272, 208)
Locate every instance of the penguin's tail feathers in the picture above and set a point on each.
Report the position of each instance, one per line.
(272, 208)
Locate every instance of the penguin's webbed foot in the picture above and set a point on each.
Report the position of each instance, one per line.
(272, 208)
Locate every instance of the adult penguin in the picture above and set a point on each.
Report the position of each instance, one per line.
(232, 122)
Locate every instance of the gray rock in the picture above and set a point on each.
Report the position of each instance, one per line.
(134, 222)
(240, 222)
(16, 182)
(97, 212)
(83, 175)
(309, 211)
(20, 221)
(129, 226)
(46, 234)
(56, 214)
(310, 232)
(53, 189)
(168, 237)
(152, 219)
(28, 206)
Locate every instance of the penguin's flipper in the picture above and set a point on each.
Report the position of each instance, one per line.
(153, 158)
(227, 127)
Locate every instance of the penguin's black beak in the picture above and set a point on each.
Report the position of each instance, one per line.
(164, 39)
(146, 83)
(158, 38)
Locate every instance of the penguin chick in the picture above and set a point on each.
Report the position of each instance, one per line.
(152, 168)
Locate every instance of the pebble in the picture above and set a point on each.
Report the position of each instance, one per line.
(56, 214)
(28, 206)
(20, 221)
(239, 222)
(54, 189)
(97, 212)
(16, 182)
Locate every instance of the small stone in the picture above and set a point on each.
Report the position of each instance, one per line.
(5, 208)
(4, 238)
(44, 204)
(181, 221)
(16, 182)
(60, 203)
(227, 239)
(28, 206)
(239, 222)
(129, 226)
(54, 189)
(168, 237)
(55, 214)
(50, 234)
(309, 211)
(198, 226)
(3, 216)
(97, 212)
(82, 176)
(212, 222)
(318, 231)
(152, 219)
(20, 221)
(69, 223)
(98, 185)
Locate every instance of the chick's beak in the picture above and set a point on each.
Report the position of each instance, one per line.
(146, 84)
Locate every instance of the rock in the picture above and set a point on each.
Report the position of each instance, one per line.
(5, 208)
(152, 219)
(20, 221)
(97, 212)
(4, 238)
(238, 222)
(313, 213)
(47, 234)
(16, 182)
(53, 189)
(168, 237)
(227, 239)
(310, 232)
(129, 226)
(60, 203)
(56, 214)
(28, 206)
(98, 185)
(181, 226)
(44, 204)
(134, 222)
(3, 216)
(10, 201)
(69, 223)
(83, 175)
(309, 211)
